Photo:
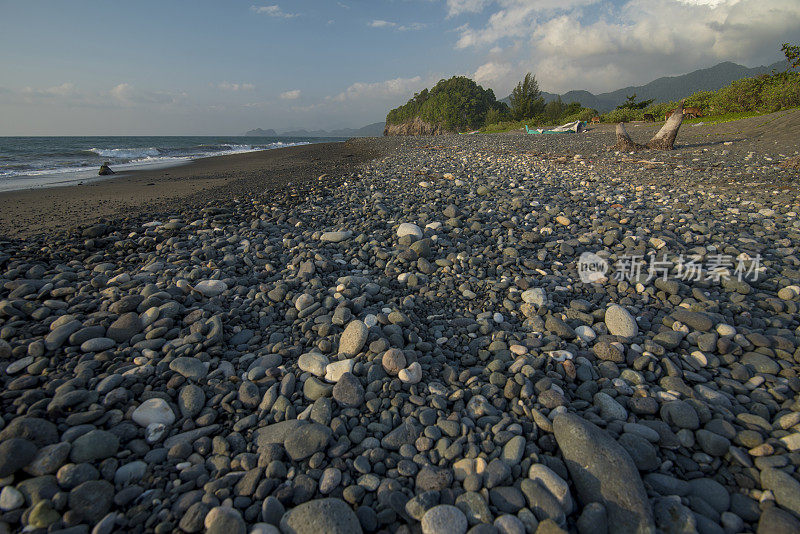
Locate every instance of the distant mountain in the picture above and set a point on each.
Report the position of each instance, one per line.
(258, 132)
(669, 87)
(370, 130)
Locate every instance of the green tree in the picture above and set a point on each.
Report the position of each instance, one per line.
(526, 99)
(573, 108)
(493, 116)
(457, 104)
(554, 110)
(631, 103)
(792, 53)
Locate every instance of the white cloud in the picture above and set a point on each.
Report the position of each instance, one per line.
(291, 95)
(458, 7)
(492, 72)
(68, 95)
(412, 27)
(127, 95)
(626, 44)
(514, 19)
(227, 86)
(273, 11)
(63, 90)
(710, 3)
(380, 90)
(381, 24)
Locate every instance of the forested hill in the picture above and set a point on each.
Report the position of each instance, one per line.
(454, 105)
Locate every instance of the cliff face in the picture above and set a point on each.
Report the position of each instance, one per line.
(415, 127)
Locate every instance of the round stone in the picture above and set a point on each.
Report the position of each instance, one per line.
(348, 391)
(42, 515)
(411, 374)
(409, 229)
(393, 361)
(585, 333)
(329, 480)
(98, 344)
(353, 338)
(124, 328)
(94, 445)
(620, 322)
(15, 453)
(313, 362)
(49, 459)
(224, 520)
(509, 524)
(305, 440)
(536, 296)
(211, 288)
(191, 368)
(191, 400)
(92, 500)
(336, 237)
(303, 301)
(335, 370)
(332, 516)
(10, 499)
(154, 410)
(444, 519)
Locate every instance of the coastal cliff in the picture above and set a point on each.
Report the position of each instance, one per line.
(416, 126)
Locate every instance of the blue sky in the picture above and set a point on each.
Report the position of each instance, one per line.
(220, 68)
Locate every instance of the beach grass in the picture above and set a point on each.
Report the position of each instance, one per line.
(505, 126)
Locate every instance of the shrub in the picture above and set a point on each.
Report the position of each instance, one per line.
(660, 110)
(585, 114)
(494, 116)
(741, 95)
(781, 92)
(704, 100)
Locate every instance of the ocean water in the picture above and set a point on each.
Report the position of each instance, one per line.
(34, 162)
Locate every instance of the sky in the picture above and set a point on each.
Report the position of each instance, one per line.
(201, 67)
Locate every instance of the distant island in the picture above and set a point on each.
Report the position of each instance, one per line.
(370, 130)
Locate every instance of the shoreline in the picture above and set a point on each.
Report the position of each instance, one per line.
(27, 212)
(168, 190)
(54, 161)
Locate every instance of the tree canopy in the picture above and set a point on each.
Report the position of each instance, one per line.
(631, 103)
(458, 104)
(792, 53)
(526, 99)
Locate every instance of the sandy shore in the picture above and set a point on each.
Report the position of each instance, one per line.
(31, 212)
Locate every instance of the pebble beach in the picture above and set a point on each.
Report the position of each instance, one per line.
(397, 335)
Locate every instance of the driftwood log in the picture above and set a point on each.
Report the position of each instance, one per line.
(664, 139)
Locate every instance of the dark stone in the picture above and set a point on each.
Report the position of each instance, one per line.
(603, 471)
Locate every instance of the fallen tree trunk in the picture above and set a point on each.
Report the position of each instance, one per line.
(664, 139)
